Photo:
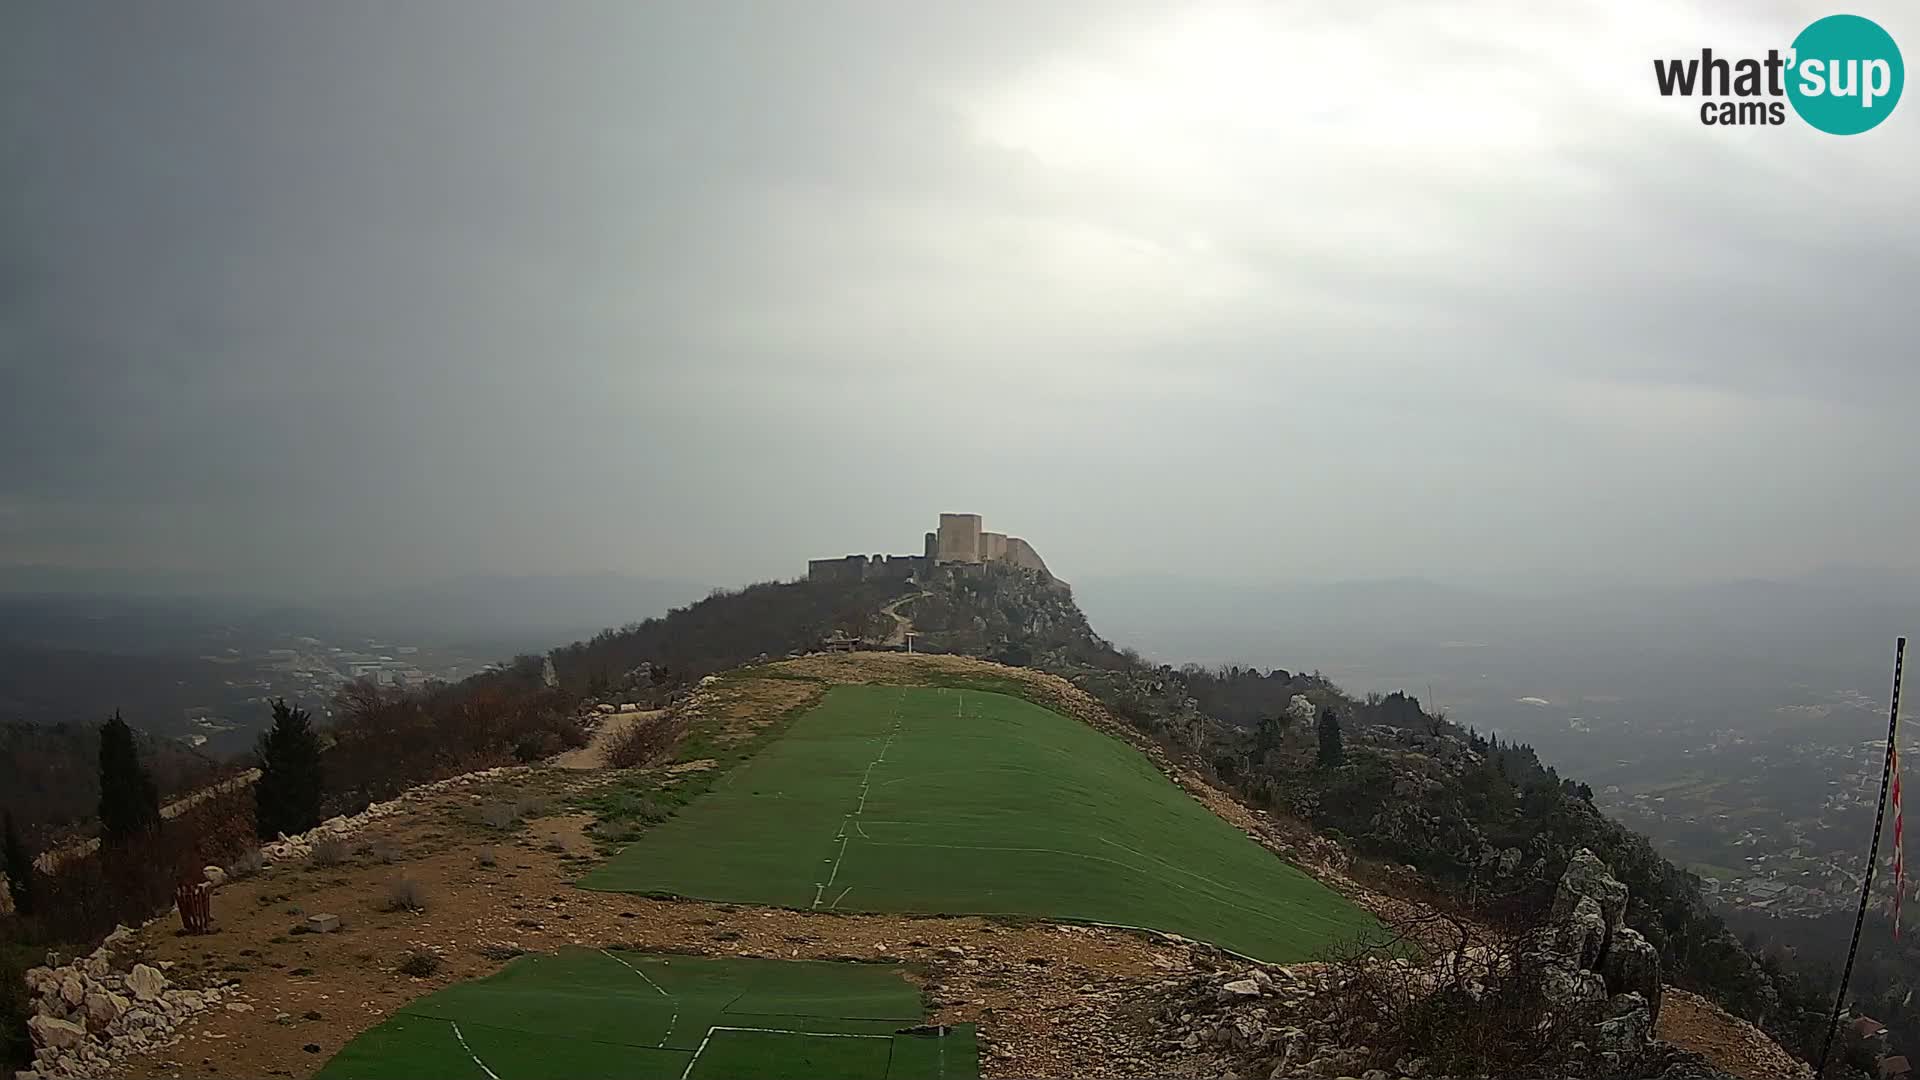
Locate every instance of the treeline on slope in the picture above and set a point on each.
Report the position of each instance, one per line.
(1886, 971)
(49, 777)
(727, 629)
(385, 740)
(1482, 818)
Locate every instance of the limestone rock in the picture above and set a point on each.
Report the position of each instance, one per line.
(72, 990)
(1628, 1026)
(1582, 932)
(105, 1008)
(55, 1034)
(145, 982)
(1587, 876)
(1632, 965)
(1573, 988)
(1241, 988)
(322, 923)
(215, 876)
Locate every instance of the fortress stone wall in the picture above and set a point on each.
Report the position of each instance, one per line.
(958, 541)
(866, 568)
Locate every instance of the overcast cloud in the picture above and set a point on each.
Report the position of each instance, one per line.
(336, 292)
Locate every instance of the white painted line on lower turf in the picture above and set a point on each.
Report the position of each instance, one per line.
(688, 1071)
(672, 1020)
(471, 1054)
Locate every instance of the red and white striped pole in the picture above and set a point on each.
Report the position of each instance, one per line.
(1873, 855)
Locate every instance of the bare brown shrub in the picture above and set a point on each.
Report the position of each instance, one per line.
(406, 894)
(246, 864)
(645, 741)
(1477, 1005)
(420, 963)
(330, 851)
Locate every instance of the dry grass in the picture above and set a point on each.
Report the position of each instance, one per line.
(406, 894)
(330, 851)
(744, 706)
(420, 963)
(246, 864)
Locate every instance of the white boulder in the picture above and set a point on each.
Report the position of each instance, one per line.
(146, 982)
(55, 1034)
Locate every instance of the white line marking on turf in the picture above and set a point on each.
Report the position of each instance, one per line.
(866, 785)
(836, 869)
(688, 1071)
(470, 1053)
(837, 899)
(671, 1020)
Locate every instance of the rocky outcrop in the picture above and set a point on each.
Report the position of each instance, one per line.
(1600, 985)
(1592, 956)
(1632, 965)
(96, 1011)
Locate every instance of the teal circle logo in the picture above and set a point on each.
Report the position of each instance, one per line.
(1846, 75)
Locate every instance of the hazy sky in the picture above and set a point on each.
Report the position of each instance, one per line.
(325, 292)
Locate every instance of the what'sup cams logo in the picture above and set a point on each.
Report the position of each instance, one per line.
(1843, 75)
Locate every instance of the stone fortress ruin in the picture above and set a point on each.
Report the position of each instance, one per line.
(958, 542)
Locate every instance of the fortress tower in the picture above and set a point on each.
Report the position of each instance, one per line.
(958, 540)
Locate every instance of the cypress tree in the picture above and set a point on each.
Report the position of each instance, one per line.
(129, 803)
(287, 796)
(1332, 749)
(19, 866)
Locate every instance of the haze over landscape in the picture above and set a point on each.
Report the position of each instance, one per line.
(1342, 350)
(317, 297)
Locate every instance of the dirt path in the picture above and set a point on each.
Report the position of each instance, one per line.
(1694, 1023)
(902, 626)
(612, 726)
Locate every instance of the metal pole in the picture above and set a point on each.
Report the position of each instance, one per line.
(1873, 856)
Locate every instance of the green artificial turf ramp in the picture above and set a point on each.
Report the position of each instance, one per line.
(945, 801)
(594, 1014)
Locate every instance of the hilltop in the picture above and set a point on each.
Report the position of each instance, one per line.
(1473, 826)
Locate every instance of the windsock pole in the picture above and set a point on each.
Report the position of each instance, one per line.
(1873, 853)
